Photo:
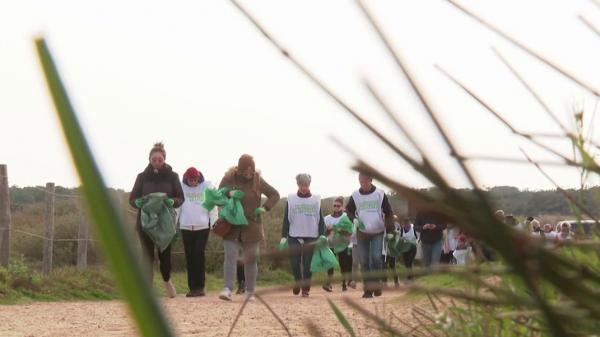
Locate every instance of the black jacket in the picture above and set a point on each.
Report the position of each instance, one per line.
(430, 235)
(148, 181)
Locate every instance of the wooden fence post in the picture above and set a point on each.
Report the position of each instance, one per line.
(49, 222)
(83, 236)
(5, 224)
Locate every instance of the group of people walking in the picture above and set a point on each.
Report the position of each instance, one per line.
(302, 226)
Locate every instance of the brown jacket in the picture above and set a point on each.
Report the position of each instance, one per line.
(253, 190)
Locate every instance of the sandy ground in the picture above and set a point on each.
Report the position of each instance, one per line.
(203, 316)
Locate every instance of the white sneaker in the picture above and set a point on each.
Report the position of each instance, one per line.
(170, 289)
(225, 294)
(251, 298)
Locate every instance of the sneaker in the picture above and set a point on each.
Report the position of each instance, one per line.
(170, 289)
(367, 294)
(344, 288)
(352, 284)
(377, 293)
(296, 290)
(328, 288)
(250, 298)
(225, 294)
(304, 293)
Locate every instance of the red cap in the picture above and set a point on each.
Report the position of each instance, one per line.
(192, 172)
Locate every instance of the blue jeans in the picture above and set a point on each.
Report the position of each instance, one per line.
(431, 253)
(369, 252)
(300, 258)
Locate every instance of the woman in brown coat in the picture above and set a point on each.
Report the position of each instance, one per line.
(245, 178)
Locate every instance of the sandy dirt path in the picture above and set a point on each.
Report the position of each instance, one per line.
(205, 316)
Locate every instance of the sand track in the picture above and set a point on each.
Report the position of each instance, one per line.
(203, 316)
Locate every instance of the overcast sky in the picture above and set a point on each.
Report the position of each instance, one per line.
(199, 77)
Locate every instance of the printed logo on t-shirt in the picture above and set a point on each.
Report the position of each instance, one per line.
(368, 206)
(193, 196)
(305, 209)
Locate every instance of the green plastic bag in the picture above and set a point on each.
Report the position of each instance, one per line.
(339, 242)
(233, 212)
(282, 246)
(398, 245)
(231, 208)
(214, 197)
(323, 258)
(158, 220)
(344, 225)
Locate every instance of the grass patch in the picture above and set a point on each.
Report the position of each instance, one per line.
(446, 280)
(19, 283)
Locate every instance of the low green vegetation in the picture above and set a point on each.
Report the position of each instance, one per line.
(19, 283)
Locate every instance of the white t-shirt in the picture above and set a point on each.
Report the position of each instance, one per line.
(411, 234)
(452, 234)
(192, 215)
(304, 215)
(368, 210)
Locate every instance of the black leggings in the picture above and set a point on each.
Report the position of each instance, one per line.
(389, 262)
(345, 259)
(164, 258)
(241, 277)
(409, 258)
(194, 244)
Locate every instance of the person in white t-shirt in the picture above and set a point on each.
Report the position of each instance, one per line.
(345, 256)
(371, 211)
(302, 224)
(195, 222)
(565, 233)
(407, 230)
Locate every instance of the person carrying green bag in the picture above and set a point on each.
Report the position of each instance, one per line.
(339, 228)
(158, 176)
(244, 184)
(158, 219)
(302, 225)
(370, 208)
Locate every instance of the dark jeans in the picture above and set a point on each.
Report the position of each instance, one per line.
(370, 247)
(164, 258)
(409, 258)
(432, 252)
(389, 262)
(194, 244)
(300, 258)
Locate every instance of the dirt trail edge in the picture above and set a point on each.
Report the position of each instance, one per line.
(204, 316)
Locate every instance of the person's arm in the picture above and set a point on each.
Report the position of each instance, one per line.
(285, 227)
(178, 195)
(351, 209)
(136, 191)
(321, 223)
(271, 193)
(388, 214)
